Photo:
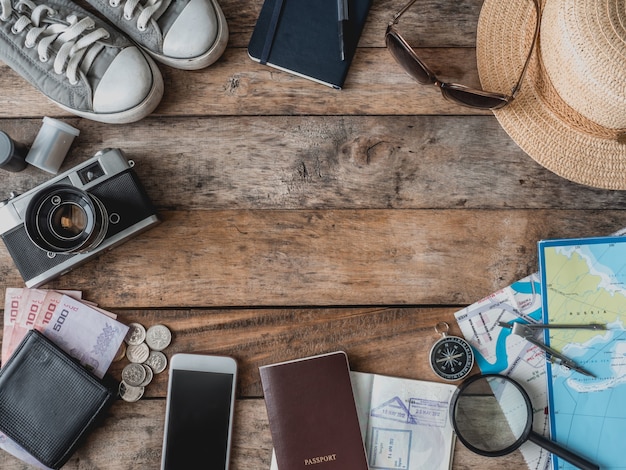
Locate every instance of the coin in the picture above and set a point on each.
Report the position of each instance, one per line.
(149, 376)
(130, 393)
(157, 361)
(121, 352)
(136, 334)
(158, 337)
(134, 374)
(137, 352)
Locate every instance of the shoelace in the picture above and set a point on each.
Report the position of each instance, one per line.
(150, 9)
(49, 33)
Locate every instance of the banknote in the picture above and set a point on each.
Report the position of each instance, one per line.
(12, 305)
(89, 333)
(32, 300)
(26, 309)
(13, 448)
(50, 304)
(85, 334)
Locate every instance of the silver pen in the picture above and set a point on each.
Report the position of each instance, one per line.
(342, 15)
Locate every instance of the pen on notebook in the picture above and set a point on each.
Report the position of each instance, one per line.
(342, 15)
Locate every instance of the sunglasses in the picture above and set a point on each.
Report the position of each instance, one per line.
(466, 96)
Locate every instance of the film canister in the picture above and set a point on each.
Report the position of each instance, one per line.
(51, 145)
(12, 154)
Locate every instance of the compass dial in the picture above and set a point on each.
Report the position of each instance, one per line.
(451, 358)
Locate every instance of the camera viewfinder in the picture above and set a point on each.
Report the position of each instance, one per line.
(90, 173)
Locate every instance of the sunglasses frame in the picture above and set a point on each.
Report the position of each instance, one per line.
(446, 87)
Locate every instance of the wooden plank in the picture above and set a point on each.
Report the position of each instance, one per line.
(347, 162)
(131, 438)
(324, 257)
(375, 84)
(373, 338)
(235, 85)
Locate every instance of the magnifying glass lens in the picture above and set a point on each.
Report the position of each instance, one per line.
(492, 416)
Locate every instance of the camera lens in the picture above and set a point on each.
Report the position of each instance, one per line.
(65, 219)
(68, 221)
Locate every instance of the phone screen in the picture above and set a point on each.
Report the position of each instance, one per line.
(198, 420)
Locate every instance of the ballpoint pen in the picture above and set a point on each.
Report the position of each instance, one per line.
(342, 15)
(527, 331)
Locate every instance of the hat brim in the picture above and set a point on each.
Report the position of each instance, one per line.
(504, 35)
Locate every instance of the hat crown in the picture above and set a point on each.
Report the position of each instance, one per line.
(583, 50)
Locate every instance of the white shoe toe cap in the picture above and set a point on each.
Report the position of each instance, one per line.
(125, 84)
(194, 31)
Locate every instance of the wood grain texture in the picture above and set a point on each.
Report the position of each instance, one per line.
(298, 219)
(390, 341)
(131, 437)
(314, 162)
(374, 338)
(324, 257)
(235, 85)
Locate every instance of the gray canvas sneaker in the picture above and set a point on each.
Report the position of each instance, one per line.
(83, 65)
(185, 34)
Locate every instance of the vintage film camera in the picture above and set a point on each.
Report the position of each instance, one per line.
(75, 216)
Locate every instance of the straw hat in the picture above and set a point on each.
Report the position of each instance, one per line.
(570, 114)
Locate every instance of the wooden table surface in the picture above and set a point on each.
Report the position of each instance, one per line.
(300, 220)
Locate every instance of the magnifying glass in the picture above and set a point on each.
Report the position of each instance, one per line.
(492, 416)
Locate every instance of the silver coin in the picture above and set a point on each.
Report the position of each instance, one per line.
(130, 393)
(136, 334)
(134, 375)
(121, 352)
(157, 361)
(137, 352)
(149, 376)
(158, 337)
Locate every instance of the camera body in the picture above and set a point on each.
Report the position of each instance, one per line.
(61, 224)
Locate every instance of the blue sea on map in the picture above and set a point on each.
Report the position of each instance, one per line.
(612, 265)
(590, 413)
(604, 417)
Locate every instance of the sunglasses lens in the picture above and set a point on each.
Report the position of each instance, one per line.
(407, 60)
(473, 99)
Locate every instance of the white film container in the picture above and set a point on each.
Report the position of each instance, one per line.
(51, 145)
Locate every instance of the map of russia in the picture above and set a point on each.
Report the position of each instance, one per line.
(584, 281)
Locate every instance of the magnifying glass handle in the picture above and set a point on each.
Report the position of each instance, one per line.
(562, 452)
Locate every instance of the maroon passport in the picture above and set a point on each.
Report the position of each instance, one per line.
(312, 414)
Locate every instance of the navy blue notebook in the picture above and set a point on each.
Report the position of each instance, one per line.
(302, 37)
